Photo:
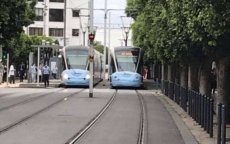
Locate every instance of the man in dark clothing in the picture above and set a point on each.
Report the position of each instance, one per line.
(46, 73)
(21, 71)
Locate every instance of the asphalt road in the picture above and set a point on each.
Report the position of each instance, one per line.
(69, 114)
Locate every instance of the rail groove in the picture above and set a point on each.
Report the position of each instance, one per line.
(79, 134)
(18, 122)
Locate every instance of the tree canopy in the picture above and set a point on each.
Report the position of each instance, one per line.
(14, 15)
(178, 31)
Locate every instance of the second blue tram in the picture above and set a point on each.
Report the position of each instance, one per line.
(76, 62)
(126, 67)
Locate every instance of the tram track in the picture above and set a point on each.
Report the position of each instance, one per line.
(27, 100)
(27, 117)
(90, 124)
(142, 135)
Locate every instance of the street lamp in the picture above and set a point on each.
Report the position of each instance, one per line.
(84, 31)
(126, 30)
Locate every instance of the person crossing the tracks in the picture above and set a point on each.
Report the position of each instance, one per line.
(46, 73)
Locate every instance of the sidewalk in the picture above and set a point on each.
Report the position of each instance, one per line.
(4, 85)
(200, 135)
(25, 84)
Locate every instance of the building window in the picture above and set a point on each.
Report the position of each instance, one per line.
(57, 1)
(35, 31)
(76, 13)
(56, 15)
(39, 14)
(40, 0)
(57, 32)
(75, 32)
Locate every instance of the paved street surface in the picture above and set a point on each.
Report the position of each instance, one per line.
(53, 115)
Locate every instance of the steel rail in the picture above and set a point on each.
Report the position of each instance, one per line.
(143, 121)
(18, 122)
(27, 100)
(79, 134)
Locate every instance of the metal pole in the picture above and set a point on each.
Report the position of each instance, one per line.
(7, 69)
(105, 18)
(65, 5)
(44, 18)
(211, 118)
(83, 38)
(38, 66)
(109, 60)
(162, 77)
(223, 125)
(219, 121)
(126, 38)
(91, 51)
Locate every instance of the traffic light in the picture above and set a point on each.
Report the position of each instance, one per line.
(91, 37)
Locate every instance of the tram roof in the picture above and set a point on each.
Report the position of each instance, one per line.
(124, 47)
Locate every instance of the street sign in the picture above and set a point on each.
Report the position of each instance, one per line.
(91, 36)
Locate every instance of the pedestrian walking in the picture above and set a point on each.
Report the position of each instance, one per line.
(145, 73)
(33, 72)
(54, 72)
(21, 71)
(40, 73)
(12, 74)
(46, 73)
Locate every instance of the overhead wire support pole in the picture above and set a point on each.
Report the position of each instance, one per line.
(44, 17)
(105, 24)
(64, 33)
(109, 48)
(91, 50)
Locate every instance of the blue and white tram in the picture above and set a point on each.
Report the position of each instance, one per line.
(126, 67)
(76, 62)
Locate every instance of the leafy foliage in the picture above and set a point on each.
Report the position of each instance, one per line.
(181, 31)
(14, 15)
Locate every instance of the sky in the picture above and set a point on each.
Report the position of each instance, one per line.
(115, 15)
(118, 20)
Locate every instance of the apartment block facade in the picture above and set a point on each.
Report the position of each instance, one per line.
(50, 20)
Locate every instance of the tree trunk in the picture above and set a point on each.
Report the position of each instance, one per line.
(223, 79)
(165, 72)
(184, 77)
(223, 86)
(204, 74)
(193, 82)
(162, 71)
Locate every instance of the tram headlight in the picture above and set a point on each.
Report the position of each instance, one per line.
(65, 77)
(87, 76)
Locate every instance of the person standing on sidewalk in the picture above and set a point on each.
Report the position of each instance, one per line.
(46, 73)
(21, 71)
(54, 72)
(33, 72)
(11, 74)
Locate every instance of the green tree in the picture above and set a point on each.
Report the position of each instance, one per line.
(14, 15)
(98, 46)
(186, 31)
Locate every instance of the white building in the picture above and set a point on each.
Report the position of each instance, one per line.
(50, 17)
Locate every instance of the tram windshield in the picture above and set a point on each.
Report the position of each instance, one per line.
(127, 59)
(77, 59)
